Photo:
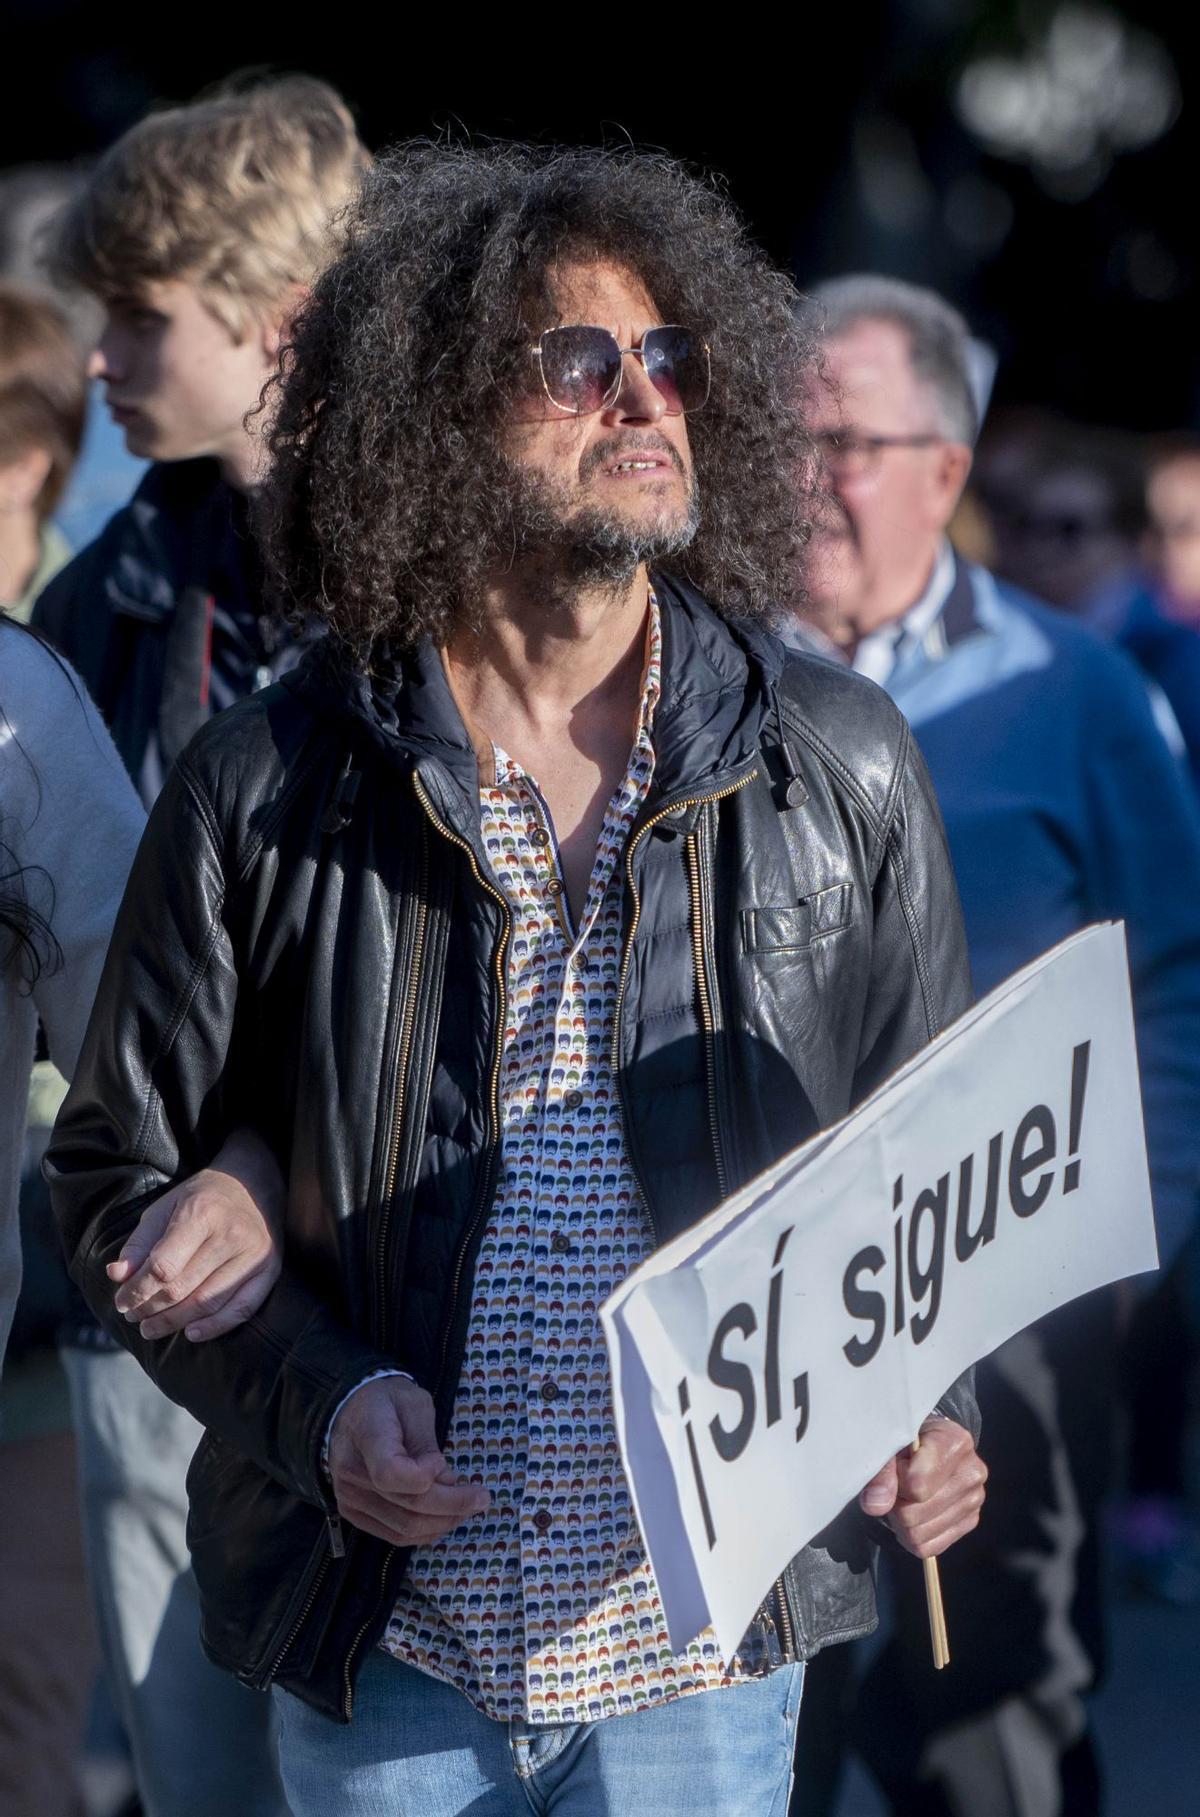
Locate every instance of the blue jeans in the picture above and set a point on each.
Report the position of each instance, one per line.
(202, 1745)
(417, 1748)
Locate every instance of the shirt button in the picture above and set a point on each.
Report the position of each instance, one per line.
(560, 1244)
(572, 1100)
(539, 836)
(543, 1520)
(549, 1391)
(554, 886)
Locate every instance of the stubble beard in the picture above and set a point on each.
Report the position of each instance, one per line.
(588, 549)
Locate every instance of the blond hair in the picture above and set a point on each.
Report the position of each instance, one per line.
(239, 193)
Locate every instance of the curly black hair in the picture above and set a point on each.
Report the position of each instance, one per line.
(389, 500)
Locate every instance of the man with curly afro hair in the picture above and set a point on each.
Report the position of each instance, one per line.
(547, 902)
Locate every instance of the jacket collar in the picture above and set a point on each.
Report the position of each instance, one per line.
(169, 517)
(959, 618)
(718, 682)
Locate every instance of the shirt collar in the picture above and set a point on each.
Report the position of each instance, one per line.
(878, 653)
(652, 671)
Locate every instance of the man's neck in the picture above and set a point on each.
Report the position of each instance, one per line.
(542, 661)
(243, 463)
(557, 686)
(878, 610)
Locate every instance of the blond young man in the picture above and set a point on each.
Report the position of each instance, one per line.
(199, 231)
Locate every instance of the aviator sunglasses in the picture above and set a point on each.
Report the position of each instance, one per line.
(581, 367)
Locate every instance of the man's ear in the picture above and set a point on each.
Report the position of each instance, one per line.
(22, 479)
(276, 324)
(950, 476)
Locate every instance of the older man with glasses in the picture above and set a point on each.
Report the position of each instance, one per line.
(1063, 806)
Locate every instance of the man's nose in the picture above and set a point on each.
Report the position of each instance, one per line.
(638, 401)
(107, 361)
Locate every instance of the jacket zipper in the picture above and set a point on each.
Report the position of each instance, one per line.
(672, 807)
(393, 1158)
(785, 1620)
(347, 1681)
(408, 1017)
(336, 1543)
(310, 1599)
(704, 989)
(499, 967)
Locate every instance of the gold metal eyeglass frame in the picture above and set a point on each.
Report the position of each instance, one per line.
(639, 353)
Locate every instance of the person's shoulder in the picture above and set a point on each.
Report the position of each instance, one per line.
(852, 727)
(137, 541)
(34, 679)
(1069, 637)
(73, 588)
(1081, 660)
(50, 722)
(254, 758)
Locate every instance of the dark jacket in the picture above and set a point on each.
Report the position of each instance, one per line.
(163, 615)
(312, 943)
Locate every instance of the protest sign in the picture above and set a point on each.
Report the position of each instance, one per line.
(768, 1362)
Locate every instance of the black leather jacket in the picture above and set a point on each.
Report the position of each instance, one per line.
(311, 943)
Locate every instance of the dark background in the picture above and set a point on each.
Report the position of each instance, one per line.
(839, 129)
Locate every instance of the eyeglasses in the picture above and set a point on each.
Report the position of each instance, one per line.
(848, 452)
(581, 367)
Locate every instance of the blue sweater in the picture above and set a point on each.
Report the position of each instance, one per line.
(1064, 806)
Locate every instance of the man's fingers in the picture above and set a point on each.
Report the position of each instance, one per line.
(940, 1502)
(142, 1238)
(925, 1518)
(389, 1531)
(383, 1443)
(421, 1480)
(966, 1484)
(935, 1537)
(175, 1268)
(449, 1502)
(241, 1305)
(944, 1447)
(226, 1291)
(182, 1240)
(418, 1422)
(879, 1496)
(375, 1514)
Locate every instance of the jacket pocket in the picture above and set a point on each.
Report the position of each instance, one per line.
(778, 930)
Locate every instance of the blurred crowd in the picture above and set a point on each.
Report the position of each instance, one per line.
(1033, 605)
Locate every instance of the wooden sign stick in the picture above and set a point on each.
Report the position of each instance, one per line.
(933, 1601)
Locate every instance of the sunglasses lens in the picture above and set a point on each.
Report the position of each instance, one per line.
(677, 365)
(581, 367)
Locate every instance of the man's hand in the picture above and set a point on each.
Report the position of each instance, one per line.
(205, 1256)
(932, 1499)
(389, 1477)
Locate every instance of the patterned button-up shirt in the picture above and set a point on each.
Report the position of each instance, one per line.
(545, 1607)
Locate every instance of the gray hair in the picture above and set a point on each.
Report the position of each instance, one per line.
(939, 341)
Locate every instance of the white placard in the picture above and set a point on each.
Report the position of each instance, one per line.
(768, 1362)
